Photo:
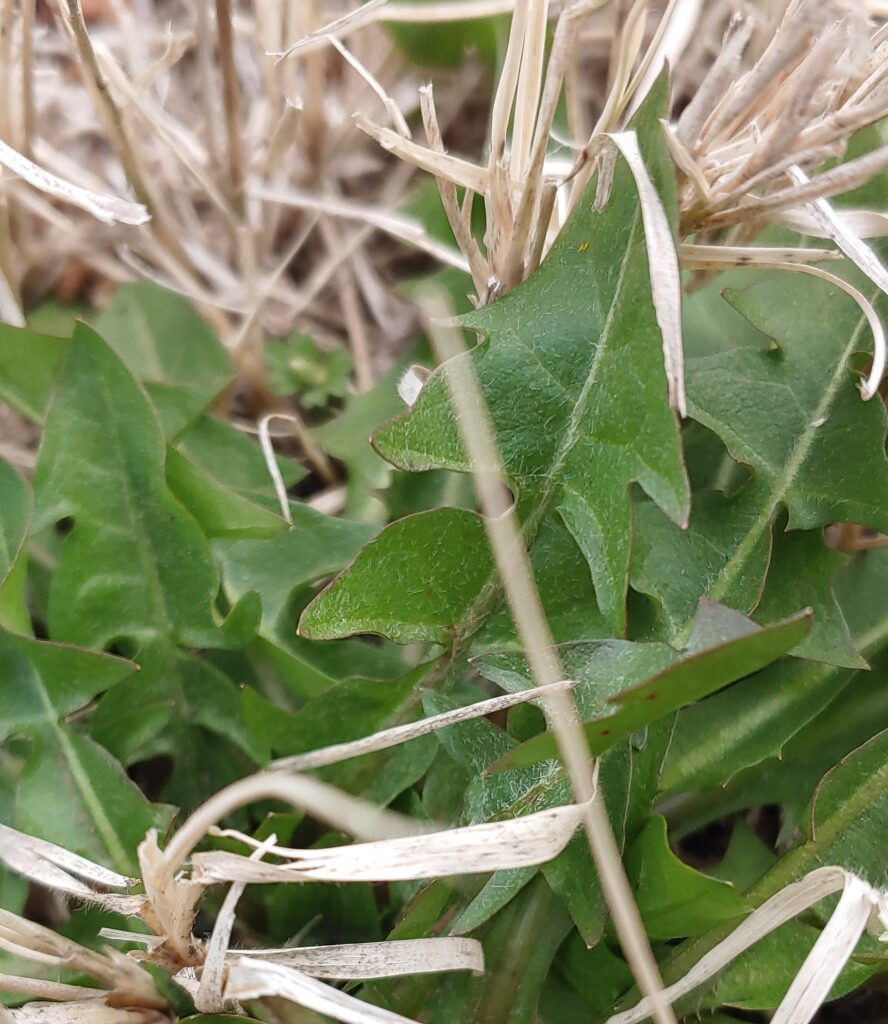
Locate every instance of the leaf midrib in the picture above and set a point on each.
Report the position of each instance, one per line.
(482, 605)
(91, 799)
(798, 454)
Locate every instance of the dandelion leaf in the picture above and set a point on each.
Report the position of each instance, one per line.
(134, 569)
(792, 414)
(72, 792)
(624, 686)
(571, 368)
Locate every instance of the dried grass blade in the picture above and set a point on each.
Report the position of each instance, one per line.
(365, 960)
(831, 951)
(254, 979)
(404, 733)
(347, 22)
(84, 1011)
(866, 261)
(442, 165)
(107, 209)
(56, 868)
(405, 229)
(862, 223)
(319, 799)
(516, 842)
(54, 990)
(209, 998)
(870, 386)
(663, 266)
(706, 257)
(670, 40)
(780, 908)
(13, 840)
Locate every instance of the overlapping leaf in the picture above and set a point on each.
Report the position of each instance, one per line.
(719, 737)
(71, 792)
(625, 686)
(571, 369)
(167, 347)
(793, 415)
(135, 567)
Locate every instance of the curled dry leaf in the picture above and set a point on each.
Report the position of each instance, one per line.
(663, 266)
(863, 257)
(859, 906)
(252, 979)
(493, 846)
(58, 869)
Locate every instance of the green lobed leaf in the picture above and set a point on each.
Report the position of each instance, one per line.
(571, 369)
(801, 574)
(134, 564)
(220, 510)
(71, 792)
(624, 686)
(425, 575)
(673, 899)
(747, 724)
(314, 547)
(134, 567)
(789, 413)
(845, 827)
(416, 581)
(169, 348)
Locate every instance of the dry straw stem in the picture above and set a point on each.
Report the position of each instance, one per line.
(510, 553)
(387, 738)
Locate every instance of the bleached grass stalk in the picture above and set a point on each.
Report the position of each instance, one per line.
(208, 998)
(433, 13)
(717, 257)
(230, 102)
(398, 226)
(393, 958)
(387, 738)
(391, 108)
(353, 314)
(85, 1011)
(71, 14)
(513, 563)
(864, 258)
(105, 208)
(250, 978)
(322, 801)
(460, 225)
(859, 906)
(493, 846)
